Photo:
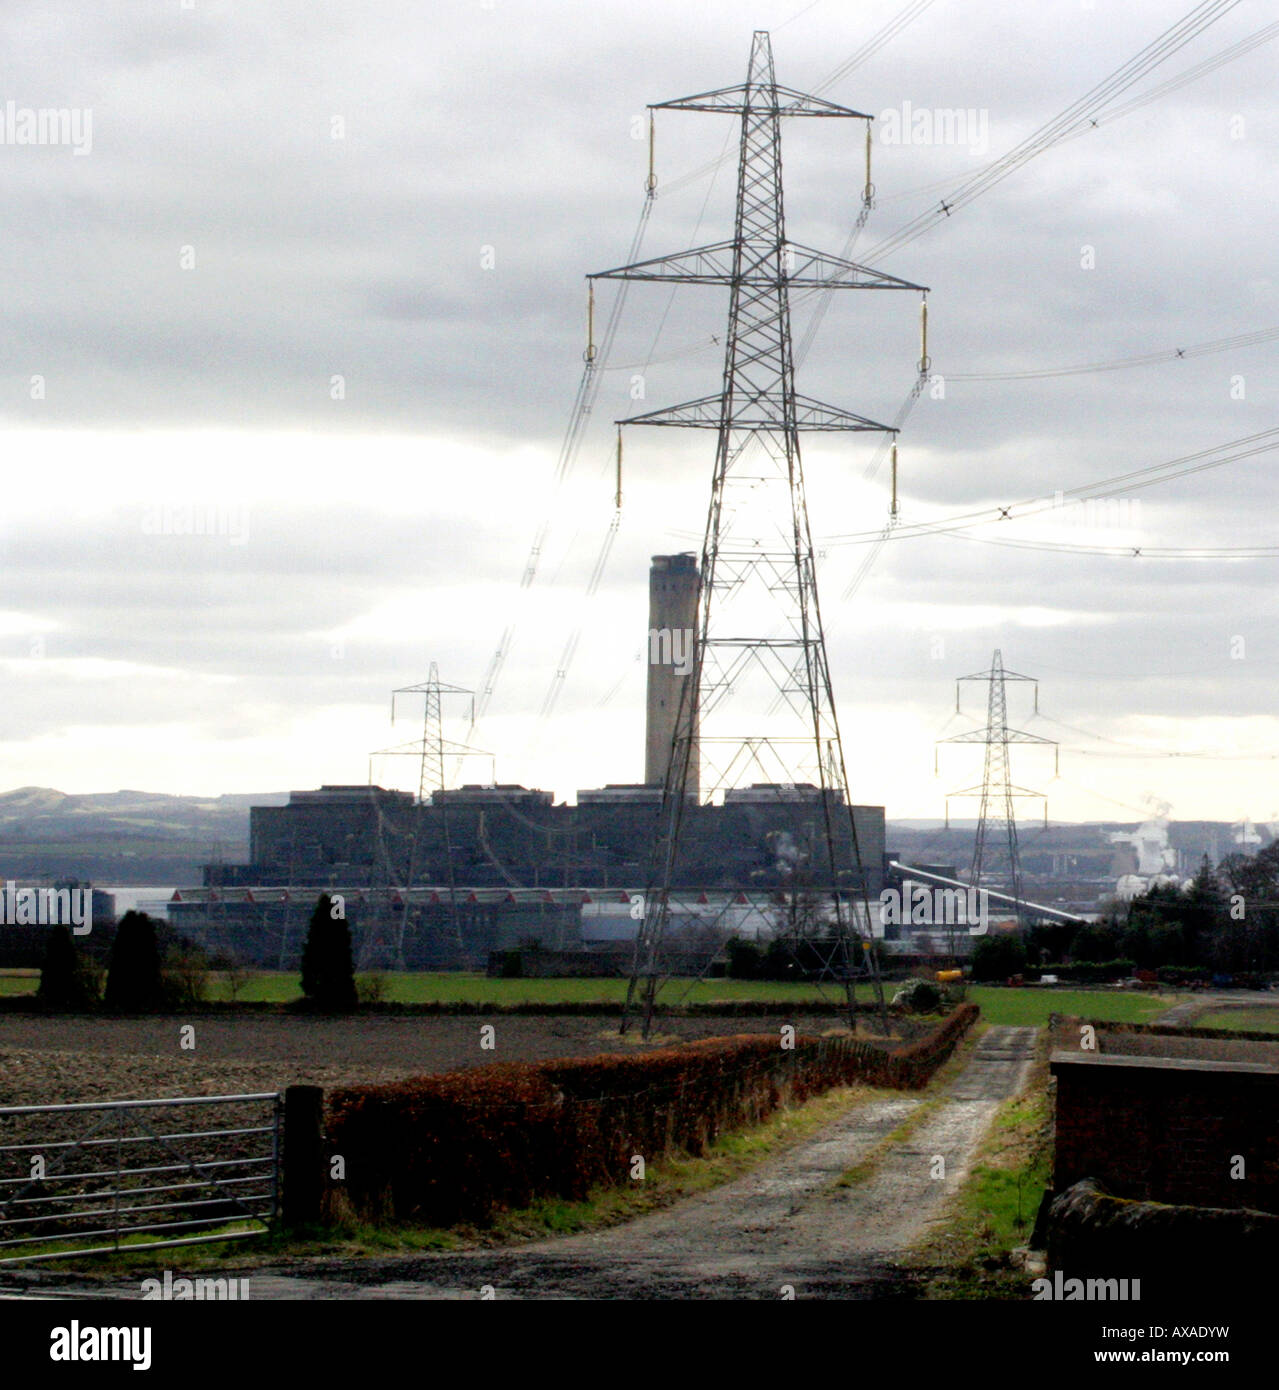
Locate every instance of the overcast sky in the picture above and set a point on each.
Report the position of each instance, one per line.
(309, 277)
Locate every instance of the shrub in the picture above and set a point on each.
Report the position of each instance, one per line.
(184, 975)
(918, 997)
(998, 957)
(1092, 972)
(234, 971)
(371, 988)
(1182, 974)
(745, 959)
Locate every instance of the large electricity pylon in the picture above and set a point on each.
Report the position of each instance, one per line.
(995, 852)
(758, 616)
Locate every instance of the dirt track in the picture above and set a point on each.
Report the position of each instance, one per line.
(784, 1224)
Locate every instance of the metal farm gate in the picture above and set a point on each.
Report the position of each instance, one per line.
(85, 1179)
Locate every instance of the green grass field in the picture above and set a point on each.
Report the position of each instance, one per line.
(1029, 1006)
(1026, 1007)
(1262, 1019)
(472, 988)
(1032, 1005)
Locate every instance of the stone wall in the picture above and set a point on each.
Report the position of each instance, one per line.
(1164, 1252)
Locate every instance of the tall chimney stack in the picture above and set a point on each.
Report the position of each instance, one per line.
(672, 631)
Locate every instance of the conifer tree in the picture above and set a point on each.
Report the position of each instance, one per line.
(134, 981)
(64, 981)
(328, 973)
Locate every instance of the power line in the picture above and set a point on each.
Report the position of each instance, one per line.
(1226, 55)
(1134, 480)
(1147, 359)
(1132, 552)
(1218, 60)
(871, 47)
(1150, 57)
(1152, 752)
(560, 676)
(1143, 811)
(1075, 117)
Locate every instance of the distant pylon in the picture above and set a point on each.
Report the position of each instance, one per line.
(996, 860)
(431, 750)
(759, 624)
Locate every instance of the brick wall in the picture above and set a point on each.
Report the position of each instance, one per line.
(1168, 1129)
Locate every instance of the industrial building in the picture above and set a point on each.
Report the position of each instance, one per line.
(496, 866)
(473, 869)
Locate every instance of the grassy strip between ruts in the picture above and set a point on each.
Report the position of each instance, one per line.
(935, 1092)
(994, 1210)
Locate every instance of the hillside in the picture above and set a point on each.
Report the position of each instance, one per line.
(123, 837)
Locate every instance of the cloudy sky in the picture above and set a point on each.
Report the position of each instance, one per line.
(307, 280)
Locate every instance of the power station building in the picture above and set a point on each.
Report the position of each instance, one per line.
(479, 868)
(497, 866)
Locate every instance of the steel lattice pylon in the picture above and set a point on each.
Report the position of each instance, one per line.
(995, 850)
(387, 925)
(757, 567)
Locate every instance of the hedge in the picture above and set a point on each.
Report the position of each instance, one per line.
(462, 1145)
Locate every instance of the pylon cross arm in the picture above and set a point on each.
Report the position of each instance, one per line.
(996, 736)
(766, 411)
(999, 792)
(760, 100)
(801, 267)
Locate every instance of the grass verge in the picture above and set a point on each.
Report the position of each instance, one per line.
(969, 1256)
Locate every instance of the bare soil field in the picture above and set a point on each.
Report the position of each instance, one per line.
(56, 1060)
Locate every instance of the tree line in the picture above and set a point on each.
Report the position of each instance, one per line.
(1224, 922)
(153, 970)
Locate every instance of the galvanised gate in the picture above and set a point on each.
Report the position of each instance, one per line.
(91, 1178)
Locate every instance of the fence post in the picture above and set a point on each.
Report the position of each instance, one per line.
(303, 1155)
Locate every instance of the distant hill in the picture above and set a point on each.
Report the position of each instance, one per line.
(152, 838)
(124, 836)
